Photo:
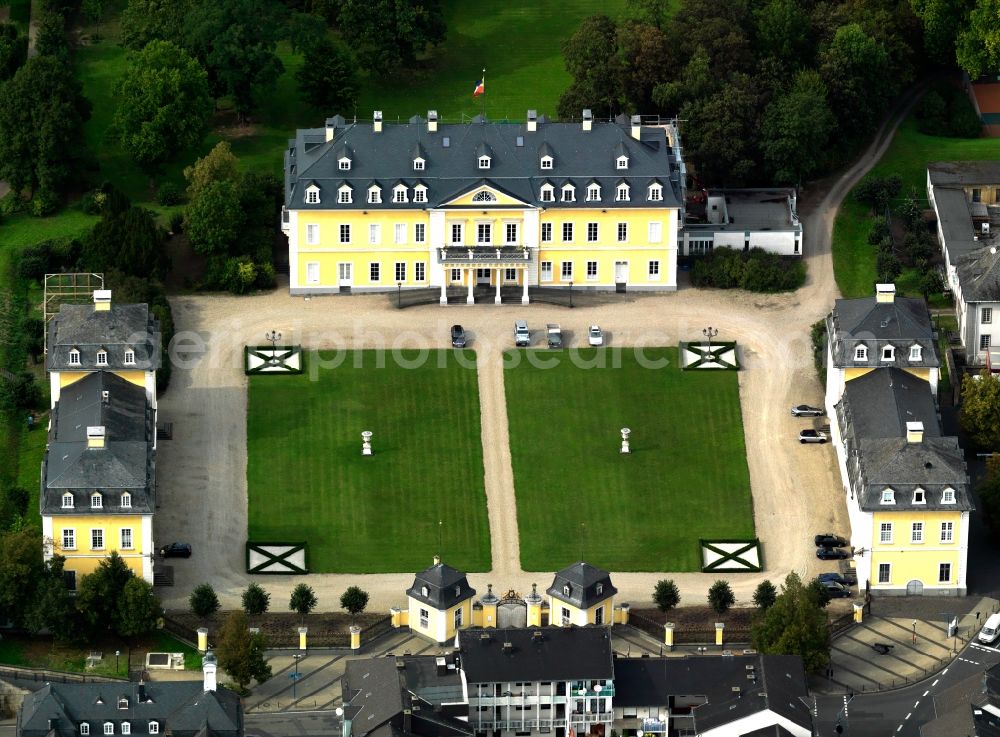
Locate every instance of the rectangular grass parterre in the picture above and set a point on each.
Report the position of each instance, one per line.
(307, 479)
(578, 497)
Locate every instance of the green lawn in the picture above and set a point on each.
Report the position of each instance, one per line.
(578, 497)
(420, 494)
(908, 156)
(41, 652)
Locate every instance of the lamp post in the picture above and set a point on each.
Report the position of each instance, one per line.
(571, 295)
(709, 333)
(399, 294)
(274, 336)
(117, 653)
(295, 676)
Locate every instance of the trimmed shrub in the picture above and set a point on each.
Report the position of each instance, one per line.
(755, 271)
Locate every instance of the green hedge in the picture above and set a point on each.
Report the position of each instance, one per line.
(756, 271)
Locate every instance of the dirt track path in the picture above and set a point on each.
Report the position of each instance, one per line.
(796, 490)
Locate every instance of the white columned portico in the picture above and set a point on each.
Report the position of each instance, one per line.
(499, 273)
(524, 293)
(444, 289)
(472, 284)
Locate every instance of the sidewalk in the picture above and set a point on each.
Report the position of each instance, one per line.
(916, 633)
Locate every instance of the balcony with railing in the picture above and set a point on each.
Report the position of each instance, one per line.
(484, 255)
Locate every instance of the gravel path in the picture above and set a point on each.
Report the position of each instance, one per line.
(796, 489)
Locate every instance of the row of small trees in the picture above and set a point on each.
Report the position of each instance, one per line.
(204, 602)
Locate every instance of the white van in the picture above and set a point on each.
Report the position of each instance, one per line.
(990, 630)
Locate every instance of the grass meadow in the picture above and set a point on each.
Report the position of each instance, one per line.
(578, 497)
(421, 493)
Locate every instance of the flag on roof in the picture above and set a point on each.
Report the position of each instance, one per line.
(480, 87)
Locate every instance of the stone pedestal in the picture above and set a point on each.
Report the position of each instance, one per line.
(668, 635)
(355, 637)
(719, 627)
(859, 609)
(303, 632)
(202, 639)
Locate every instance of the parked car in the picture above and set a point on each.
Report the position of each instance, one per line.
(836, 578)
(812, 436)
(595, 335)
(805, 410)
(457, 336)
(991, 630)
(176, 550)
(835, 590)
(555, 335)
(829, 541)
(522, 336)
(832, 554)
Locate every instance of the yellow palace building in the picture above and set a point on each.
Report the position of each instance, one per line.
(98, 475)
(378, 206)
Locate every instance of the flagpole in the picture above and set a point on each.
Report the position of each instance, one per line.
(484, 94)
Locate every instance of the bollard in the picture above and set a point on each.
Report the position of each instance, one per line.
(625, 609)
(303, 631)
(355, 637)
(202, 639)
(859, 609)
(396, 614)
(719, 627)
(668, 635)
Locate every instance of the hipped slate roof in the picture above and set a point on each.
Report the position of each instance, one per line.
(450, 170)
(445, 586)
(123, 327)
(882, 402)
(979, 274)
(901, 323)
(587, 584)
(181, 708)
(536, 654)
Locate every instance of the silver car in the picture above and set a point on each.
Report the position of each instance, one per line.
(595, 336)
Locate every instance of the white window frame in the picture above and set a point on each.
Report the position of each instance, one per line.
(374, 234)
(985, 315)
(129, 357)
(916, 353)
(484, 162)
(460, 229)
(419, 232)
(919, 496)
(374, 271)
(653, 272)
(126, 500)
(419, 271)
(126, 532)
(374, 195)
(309, 268)
(887, 567)
(458, 618)
(96, 532)
(888, 353)
(344, 230)
(67, 498)
(69, 536)
(622, 193)
(545, 162)
(420, 193)
(547, 193)
(655, 231)
(985, 341)
(565, 616)
(567, 230)
(312, 234)
(594, 193)
(399, 194)
(948, 496)
(154, 727)
(418, 164)
(74, 357)
(568, 193)
(96, 501)
(399, 233)
(888, 496)
(425, 619)
(546, 235)
(885, 533)
(400, 271)
(593, 232)
(508, 229)
(655, 192)
(344, 163)
(546, 269)
(622, 231)
(109, 728)
(947, 532)
(102, 357)
(591, 271)
(345, 195)
(126, 728)
(484, 234)
(621, 162)
(456, 276)
(84, 729)
(916, 533)
(312, 196)
(861, 353)
(566, 274)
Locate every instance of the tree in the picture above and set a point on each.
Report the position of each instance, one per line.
(354, 600)
(764, 595)
(42, 111)
(212, 220)
(643, 57)
(796, 129)
(783, 31)
(138, 609)
(855, 68)
(721, 597)
(303, 599)
(163, 104)
(240, 653)
(130, 241)
(203, 600)
(795, 624)
(51, 605)
(666, 595)
(99, 593)
(20, 568)
(590, 55)
(978, 46)
(143, 21)
(255, 600)
(696, 81)
(655, 13)
(328, 77)
(235, 41)
(980, 414)
(218, 165)
(989, 493)
(50, 38)
(930, 283)
(389, 34)
(941, 20)
(877, 192)
(13, 50)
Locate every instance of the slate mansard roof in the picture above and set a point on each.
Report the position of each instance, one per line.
(582, 585)
(441, 586)
(180, 708)
(536, 654)
(901, 323)
(123, 327)
(451, 162)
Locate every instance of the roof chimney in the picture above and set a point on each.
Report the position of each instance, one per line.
(914, 432)
(885, 293)
(532, 121)
(105, 397)
(331, 128)
(208, 666)
(102, 300)
(432, 121)
(377, 121)
(637, 127)
(588, 119)
(437, 560)
(95, 436)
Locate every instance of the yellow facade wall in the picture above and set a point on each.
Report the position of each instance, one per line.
(916, 561)
(83, 559)
(69, 377)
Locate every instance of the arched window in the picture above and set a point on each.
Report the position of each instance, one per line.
(484, 196)
(126, 500)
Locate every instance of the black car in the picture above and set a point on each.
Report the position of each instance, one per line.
(835, 590)
(836, 578)
(829, 541)
(805, 410)
(457, 336)
(832, 554)
(176, 550)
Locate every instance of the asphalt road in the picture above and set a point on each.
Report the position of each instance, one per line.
(899, 713)
(293, 724)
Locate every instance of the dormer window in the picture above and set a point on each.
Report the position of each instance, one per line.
(344, 196)
(424, 591)
(599, 589)
(399, 194)
(622, 162)
(861, 353)
(154, 727)
(344, 163)
(126, 728)
(74, 357)
(545, 162)
(96, 501)
(547, 195)
(569, 193)
(655, 192)
(84, 729)
(420, 193)
(918, 497)
(102, 357)
(67, 501)
(915, 352)
(566, 590)
(418, 164)
(484, 162)
(888, 353)
(312, 195)
(129, 357)
(948, 496)
(888, 496)
(126, 500)
(374, 195)
(123, 703)
(622, 193)
(594, 193)
(109, 728)
(458, 590)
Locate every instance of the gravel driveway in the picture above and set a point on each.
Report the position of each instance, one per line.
(796, 489)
